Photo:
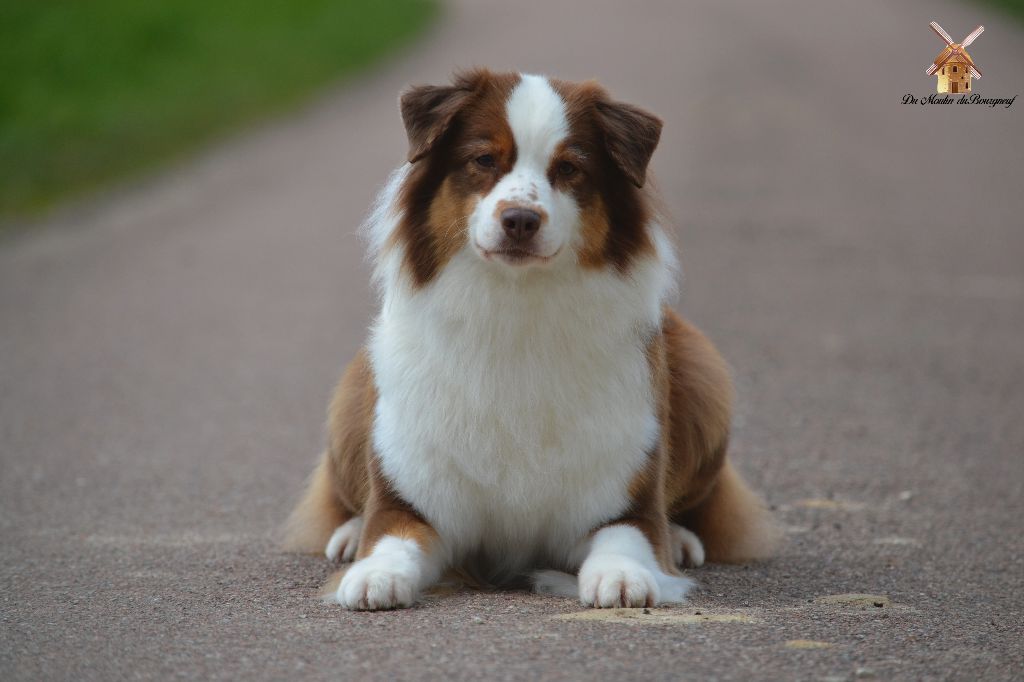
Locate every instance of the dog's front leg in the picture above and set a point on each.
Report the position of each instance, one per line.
(399, 556)
(623, 568)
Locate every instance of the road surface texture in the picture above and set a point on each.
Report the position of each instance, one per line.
(167, 353)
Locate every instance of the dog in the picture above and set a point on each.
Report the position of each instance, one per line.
(526, 404)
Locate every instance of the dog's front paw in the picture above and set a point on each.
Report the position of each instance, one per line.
(611, 581)
(379, 582)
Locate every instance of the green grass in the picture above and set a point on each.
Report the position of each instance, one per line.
(91, 90)
(1014, 7)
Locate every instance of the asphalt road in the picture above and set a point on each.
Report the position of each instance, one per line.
(167, 352)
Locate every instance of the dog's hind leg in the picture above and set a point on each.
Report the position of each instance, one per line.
(318, 516)
(708, 500)
(687, 549)
(344, 541)
(328, 517)
(732, 521)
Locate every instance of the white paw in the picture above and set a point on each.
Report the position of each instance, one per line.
(345, 540)
(687, 549)
(610, 581)
(387, 579)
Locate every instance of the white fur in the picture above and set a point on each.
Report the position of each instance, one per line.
(345, 540)
(557, 583)
(513, 414)
(687, 549)
(513, 411)
(380, 224)
(537, 117)
(621, 570)
(392, 576)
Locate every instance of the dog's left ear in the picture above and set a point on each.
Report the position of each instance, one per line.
(428, 110)
(631, 135)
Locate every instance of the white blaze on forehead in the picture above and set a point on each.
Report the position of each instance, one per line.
(537, 117)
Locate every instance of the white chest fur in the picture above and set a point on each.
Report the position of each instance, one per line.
(513, 414)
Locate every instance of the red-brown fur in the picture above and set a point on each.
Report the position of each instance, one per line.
(443, 123)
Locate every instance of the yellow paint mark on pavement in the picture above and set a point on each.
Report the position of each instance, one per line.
(807, 644)
(654, 617)
(855, 599)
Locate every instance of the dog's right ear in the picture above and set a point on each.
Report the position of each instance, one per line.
(428, 110)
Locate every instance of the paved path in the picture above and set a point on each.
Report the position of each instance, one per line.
(166, 357)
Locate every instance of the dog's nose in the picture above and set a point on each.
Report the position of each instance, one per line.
(520, 223)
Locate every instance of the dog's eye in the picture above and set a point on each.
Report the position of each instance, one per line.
(565, 169)
(485, 161)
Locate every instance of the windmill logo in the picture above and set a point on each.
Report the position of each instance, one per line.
(954, 68)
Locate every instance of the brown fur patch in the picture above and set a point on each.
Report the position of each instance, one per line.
(732, 521)
(449, 215)
(631, 135)
(615, 209)
(348, 480)
(687, 479)
(395, 521)
(704, 493)
(700, 411)
(594, 217)
(317, 514)
(446, 182)
(349, 425)
(339, 486)
(387, 513)
(647, 488)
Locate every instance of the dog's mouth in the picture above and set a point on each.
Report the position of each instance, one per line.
(515, 255)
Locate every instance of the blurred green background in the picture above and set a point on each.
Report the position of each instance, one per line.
(91, 90)
(1014, 7)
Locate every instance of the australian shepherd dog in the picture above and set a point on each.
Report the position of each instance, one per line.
(526, 407)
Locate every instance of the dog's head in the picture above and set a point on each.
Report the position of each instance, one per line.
(524, 172)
